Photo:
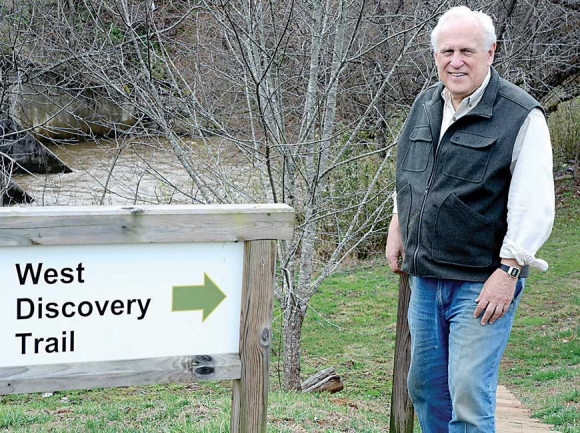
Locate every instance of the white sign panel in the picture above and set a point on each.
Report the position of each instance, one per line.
(65, 304)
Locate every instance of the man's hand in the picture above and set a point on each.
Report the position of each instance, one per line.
(495, 297)
(394, 250)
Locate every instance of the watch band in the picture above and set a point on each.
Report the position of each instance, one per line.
(512, 271)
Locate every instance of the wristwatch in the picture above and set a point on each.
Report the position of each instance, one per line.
(512, 271)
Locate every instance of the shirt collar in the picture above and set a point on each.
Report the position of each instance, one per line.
(473, 99)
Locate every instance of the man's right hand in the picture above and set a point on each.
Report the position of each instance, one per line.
(394, 250)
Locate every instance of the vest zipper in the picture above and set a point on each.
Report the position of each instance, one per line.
(425, 195)
(420, 222)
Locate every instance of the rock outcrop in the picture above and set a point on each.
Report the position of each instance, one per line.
(20, 152)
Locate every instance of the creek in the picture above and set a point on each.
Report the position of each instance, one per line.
(111, 173)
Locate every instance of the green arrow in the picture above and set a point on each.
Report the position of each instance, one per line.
(206, 297)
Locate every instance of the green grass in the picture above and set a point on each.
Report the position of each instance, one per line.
(542, 361)
(351, 326)
(172, 408)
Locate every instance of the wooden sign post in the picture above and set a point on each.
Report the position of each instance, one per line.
(402, 412)
(115, 296)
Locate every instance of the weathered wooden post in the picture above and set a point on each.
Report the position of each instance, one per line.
(402, 412)
(250, 392)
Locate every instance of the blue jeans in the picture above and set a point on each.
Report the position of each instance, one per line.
(454, 359)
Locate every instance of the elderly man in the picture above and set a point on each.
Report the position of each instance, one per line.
(474, 203)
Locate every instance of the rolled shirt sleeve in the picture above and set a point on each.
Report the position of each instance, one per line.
(531, 195)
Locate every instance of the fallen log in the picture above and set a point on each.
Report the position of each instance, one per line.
(324, 381)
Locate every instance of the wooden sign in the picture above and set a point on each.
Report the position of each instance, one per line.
(113, 296)
(88, 303)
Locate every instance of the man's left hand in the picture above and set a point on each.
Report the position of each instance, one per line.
(495, 297)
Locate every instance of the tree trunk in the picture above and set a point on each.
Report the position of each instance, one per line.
(577, 161)
(294, 313)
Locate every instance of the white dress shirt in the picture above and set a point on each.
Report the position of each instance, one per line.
(531, 195)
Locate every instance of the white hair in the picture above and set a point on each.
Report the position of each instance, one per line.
(464, 13)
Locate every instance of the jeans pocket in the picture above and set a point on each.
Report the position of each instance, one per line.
(519, 287)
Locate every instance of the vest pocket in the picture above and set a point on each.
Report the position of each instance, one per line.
(468, 156)
(461, 235)
(419, 149)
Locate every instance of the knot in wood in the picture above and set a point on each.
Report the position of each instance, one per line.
(200, 359)
(204, 371)
(266, 337)
(133, 210)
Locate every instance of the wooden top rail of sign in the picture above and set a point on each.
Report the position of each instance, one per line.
(144, 224)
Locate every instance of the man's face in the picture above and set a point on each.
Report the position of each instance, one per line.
(462, 62)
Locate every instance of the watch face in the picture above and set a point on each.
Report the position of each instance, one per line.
(514, 272)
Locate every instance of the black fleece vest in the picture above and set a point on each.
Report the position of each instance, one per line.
(452, 198)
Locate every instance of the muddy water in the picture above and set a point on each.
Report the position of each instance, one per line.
(112, 173)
